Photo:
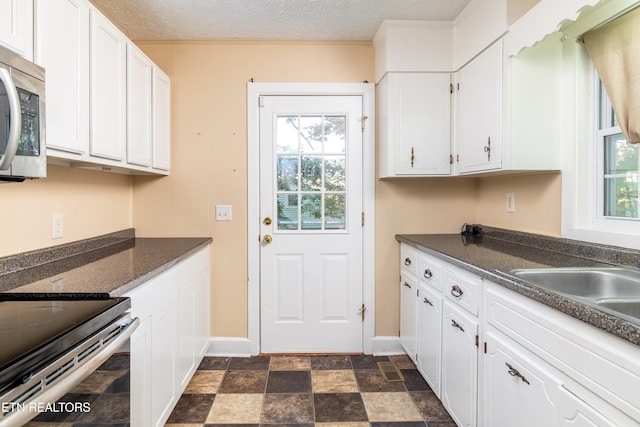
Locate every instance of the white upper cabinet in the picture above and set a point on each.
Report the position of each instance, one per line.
(16, 26)
(161, 120)
(62, 48)
(139, 107)
(413, 124)
(108, 88)
(479, 112)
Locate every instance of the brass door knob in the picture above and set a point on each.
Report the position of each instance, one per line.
(267, 239)
(266, 221)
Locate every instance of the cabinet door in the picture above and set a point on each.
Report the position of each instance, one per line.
(16, 26)
(139, 107)
(459, 364)
(161, 120)
(408, 333)
(429, 316)
(517, 388)
(141, 374)
(108, 88)
(62, 48)
(164, 345)
(479, 112)
(415, 135)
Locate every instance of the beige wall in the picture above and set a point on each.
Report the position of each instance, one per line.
(537, 201)
(92, 203)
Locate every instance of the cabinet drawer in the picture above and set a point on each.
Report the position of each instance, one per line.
(463, 288)
(430, 271)
(600, 362)
(409, 259)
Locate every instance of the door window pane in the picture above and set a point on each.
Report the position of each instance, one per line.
(620, 177)
(311, 172)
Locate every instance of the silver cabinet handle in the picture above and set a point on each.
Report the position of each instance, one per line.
(426, 301)
(407, 261)
(407, 285)
(456, 325)
(515, 373)
(15, 120)
(456, 291)
(428, 274)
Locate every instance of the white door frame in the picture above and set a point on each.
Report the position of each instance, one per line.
(254, 91)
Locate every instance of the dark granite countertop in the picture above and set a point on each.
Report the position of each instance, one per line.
(110, 265)
(498, 251)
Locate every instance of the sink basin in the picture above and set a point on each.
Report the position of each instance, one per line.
(613, 289)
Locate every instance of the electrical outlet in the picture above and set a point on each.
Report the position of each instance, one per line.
(57, 225)
(511, 202)
(223, 212)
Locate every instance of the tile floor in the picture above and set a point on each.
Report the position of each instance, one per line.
(302, 391)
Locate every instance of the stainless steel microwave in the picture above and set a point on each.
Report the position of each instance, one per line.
(23, 152)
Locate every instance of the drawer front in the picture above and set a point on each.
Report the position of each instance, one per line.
(430, 271)
(463, 288)
(409, 259)
(601, 362)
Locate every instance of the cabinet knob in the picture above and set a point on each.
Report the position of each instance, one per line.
(406, 285)
(456, 291)
(428, 274)
(456, 325)
(407, 261)
(426, 301)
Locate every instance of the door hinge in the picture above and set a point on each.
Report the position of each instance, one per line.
(485, 347)
(364, 118)
(477, 341)
(363, 219)
(362, 311)
(450, 87)
(450, 159)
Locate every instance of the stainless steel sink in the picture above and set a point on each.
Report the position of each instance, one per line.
(613, 289)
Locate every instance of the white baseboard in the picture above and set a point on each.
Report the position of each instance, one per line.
(241, 347)
(229, 347)
(386, 346)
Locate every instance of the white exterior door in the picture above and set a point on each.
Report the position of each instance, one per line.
(311, 227)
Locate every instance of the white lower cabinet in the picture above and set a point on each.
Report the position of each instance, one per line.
(171, 340)
(459, 364)
(429, 344)
(408, 325)
(496, 358)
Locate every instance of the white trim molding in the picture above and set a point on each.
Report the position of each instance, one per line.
(254, 92)
(228, 347)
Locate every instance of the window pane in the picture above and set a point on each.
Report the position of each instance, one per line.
(311, 134)
(335, 212)
(334, 131)
(287, 211)
(311, 179)
(287, 134)
(620, 177)
(287, 169)
(334, 173)
(311, 211)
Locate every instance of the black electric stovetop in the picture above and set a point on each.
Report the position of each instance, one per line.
(34, 332)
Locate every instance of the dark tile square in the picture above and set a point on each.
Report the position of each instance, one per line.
(121, 384)
(413, 380)
(289, 408)
(244, 382)
(255, 363)
(330, 362)
(370, 380)
(289, 382)
(430, 406)
(112, 407)
(214, 363)
(367, 361)
(191, 409)
(339, 407)
(232, 425)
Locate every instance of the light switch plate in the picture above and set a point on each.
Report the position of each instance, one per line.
(57, 225)
(223, 212)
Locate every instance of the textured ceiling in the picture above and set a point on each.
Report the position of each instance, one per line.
(268, 19)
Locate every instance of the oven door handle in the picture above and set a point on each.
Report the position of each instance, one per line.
(55, 391)
(15, 120)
